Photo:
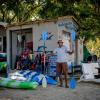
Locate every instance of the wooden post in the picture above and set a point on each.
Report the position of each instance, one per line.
(76, 51)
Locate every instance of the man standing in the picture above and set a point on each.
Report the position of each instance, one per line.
(62, 68)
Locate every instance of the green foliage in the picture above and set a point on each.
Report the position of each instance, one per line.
(94, 46)
(18, 10)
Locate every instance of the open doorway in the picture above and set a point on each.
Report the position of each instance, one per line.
(20, 40)
(24, 40)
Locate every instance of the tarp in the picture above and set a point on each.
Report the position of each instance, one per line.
(32, 77)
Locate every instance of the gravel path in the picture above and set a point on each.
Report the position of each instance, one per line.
(83, 91)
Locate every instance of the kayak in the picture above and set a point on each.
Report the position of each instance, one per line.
(9, 83)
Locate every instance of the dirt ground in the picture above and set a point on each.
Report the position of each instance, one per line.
(83, 91)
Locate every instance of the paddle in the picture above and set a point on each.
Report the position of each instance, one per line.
(44, 37)
(72, 82)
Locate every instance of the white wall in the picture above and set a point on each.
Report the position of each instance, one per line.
(68, 26)
(55, 29)
(8, 50)
(14, 47)
(45, 27)
(29, 37)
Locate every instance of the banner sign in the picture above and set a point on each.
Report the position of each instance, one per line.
(52, 65)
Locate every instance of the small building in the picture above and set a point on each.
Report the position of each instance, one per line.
(30, 33)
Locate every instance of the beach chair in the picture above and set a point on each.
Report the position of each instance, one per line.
(89, 71)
